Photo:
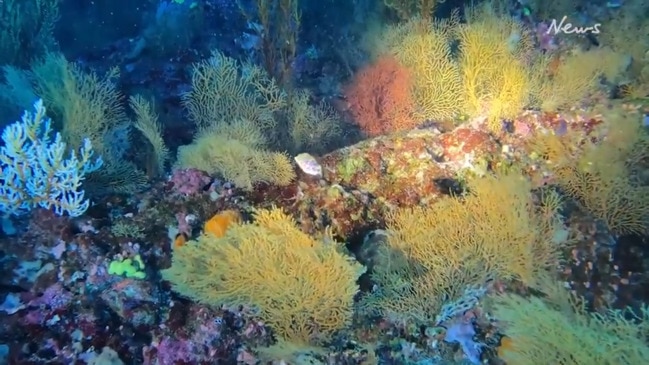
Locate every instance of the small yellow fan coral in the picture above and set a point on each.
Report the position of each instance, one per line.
(234, 152)
(427, 55)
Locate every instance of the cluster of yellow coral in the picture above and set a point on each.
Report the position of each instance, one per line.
(494, 72)
(240, 112)
(433, 254)
(302, 288)
(235, 152)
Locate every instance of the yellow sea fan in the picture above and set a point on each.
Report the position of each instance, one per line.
(426, 52)
(434, 253)
(242, 130)
(557, 330)
(492, 50)
(302, 288)
(575, 78)
(311, 127)
(273, 167)
(603, 177)
(510, 94)
(225, 90)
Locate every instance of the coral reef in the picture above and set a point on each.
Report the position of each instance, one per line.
(290, 182)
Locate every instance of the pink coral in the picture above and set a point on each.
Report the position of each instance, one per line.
(189, 182)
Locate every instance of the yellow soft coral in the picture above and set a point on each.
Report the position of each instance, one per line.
(433, 254)
(487, 77)
(620, 36)
(301, 287)
(575, 77)
(310, 127)
(495, 73)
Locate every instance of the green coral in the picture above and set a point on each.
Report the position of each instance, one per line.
(130, 268)
(87, 105)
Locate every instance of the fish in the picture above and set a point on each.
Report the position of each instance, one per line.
(614, 4)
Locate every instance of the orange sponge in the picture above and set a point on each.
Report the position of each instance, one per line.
(180, 240)
(219, 223)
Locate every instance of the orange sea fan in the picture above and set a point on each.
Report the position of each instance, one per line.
(380, 97)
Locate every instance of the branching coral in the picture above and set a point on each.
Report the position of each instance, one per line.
(434, 254)
(302, 288)
(35, 172)
(87, 105)
(147, 123)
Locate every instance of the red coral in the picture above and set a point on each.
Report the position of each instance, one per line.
(380, 97)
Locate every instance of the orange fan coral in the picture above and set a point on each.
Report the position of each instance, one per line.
(380, 98)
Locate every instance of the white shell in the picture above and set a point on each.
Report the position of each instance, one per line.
(308, 164)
